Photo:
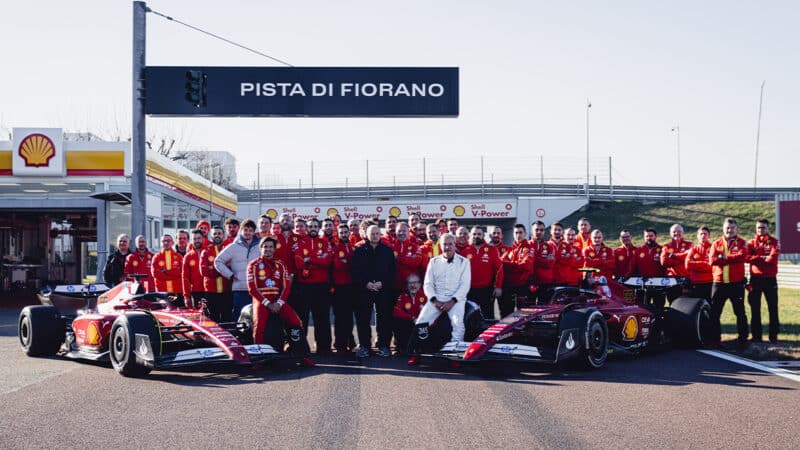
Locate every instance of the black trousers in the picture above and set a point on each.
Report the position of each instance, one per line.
(402, 332)
(314, 299)
(701, 290)
(769, 287)
(384, 304)
(508, 302)
(483, 297)
(720, 293)
(345, 304)
(220, 306)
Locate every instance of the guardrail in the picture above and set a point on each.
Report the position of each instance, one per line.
(664, 194)
(789, 276)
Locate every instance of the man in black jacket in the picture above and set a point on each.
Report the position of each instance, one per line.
(373, 272)
(114, 271)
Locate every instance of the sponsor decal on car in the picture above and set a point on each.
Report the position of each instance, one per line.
(630, 329)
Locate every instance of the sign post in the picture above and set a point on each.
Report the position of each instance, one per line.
(138, 151)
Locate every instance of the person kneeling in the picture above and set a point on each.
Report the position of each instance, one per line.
(447, 282)
(406, 311)
(269, 284)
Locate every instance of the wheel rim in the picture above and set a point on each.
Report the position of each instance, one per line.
(24, 332)
(597, 340)
(119, 345)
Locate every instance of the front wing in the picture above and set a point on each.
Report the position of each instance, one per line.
(566, 347)
(257, 353)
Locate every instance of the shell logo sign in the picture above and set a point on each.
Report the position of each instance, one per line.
(332, 212)
(459, 211)
(395, 211)
(92, 334)
(37, 150)
(630, 329)
(272, 213)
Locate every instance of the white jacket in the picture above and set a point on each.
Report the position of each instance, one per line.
(447, 280)
(234, 259)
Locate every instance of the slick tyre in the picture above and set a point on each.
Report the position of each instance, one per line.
(594, 342)
(689, 320)
(122, 348)
(41, 330)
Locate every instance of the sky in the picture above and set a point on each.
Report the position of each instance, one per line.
(526, 68)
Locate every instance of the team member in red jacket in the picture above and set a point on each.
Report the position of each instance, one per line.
(232, 228)
(205, 228)
(408, 255)
(486, 269)
(269, 284)
(568, 258)
(166, 267)
(355, 234)
(345, 296)
(697, 266)
(544, 262)
(420, 234)
(624, 255)
(263, 227)
(462, 241)
(764, 252)
(496, 239)
(727, 256)
(219, 294)
(647, 264)
(584, 236)
(192, 279)
(406, 311)
(517, 271)
(287, 243)
(431, 248)
(673, 259)
(138, 263)
(313, 260)
(599, 256)
(390, 231)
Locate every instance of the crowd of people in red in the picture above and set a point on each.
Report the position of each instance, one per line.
(300, 269)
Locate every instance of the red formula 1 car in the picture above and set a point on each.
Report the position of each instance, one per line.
(578, 326)
(138, 332)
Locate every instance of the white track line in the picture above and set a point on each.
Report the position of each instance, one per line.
(752, 364)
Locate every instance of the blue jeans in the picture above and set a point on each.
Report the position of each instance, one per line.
(240, 300)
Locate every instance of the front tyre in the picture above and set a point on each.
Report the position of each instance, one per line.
(594, 351)
(122, 349)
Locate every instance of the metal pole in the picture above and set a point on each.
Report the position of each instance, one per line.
(258, 167)
(312, 179)
(588, 107)
(483, 190)
(138, 150)
(677, 130)
(541, 172)
(758, 133)
(424, 178)
(367, 178)
(210, 190)
(610, 183)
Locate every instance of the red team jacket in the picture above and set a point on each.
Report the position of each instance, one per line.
(599, 258)
(697, 266)
(342, 258)
(166, 269)
(518, 264)
(409, 260)
(190, 274)
(729, 269)
(486, 266)
(286, 248)
(408, 308)
(647, 261)
(673, 258)
(317, 269)
(140, 265)
(544, 262)
(213, 282)
(623, 260)
(569, 259)
(764, 252)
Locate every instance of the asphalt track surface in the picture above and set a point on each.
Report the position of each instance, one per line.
(679, 399)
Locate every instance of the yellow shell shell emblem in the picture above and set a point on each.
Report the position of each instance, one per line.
(37, 150)
(92, 334)
(332, 212)
(459, 211)
(630, 329)
(272, 214)
(395, 211)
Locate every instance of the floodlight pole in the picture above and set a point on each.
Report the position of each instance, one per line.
(138, 151)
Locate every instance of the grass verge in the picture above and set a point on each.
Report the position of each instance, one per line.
(788, 346)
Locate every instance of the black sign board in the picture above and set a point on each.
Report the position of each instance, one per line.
(302, 91)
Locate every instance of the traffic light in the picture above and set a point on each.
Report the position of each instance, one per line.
(196, 87)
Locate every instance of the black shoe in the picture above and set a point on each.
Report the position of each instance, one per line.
(756, 340)
(773, 340)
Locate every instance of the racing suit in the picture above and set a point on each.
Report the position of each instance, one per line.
(268, 282)
(764, 252)
(445, 280)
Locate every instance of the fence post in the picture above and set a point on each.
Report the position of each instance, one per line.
(541, 172)
(312, 179)
(610, 184)
(483, 190)
(367, 178)
(424, 178)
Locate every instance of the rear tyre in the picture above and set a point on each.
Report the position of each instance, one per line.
(41, 330)
(122, 349)
(689, 320)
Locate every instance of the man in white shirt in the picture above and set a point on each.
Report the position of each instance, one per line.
(447, 282)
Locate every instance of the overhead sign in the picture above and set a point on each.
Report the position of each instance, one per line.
(38, 152)
(302, 91)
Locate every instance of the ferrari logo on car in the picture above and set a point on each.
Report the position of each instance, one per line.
(630, 329)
